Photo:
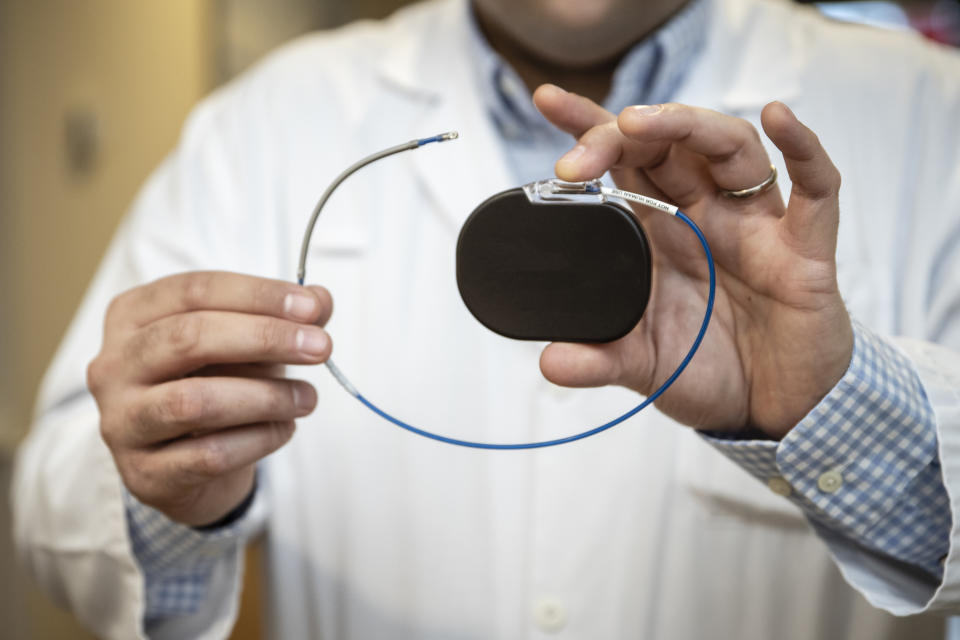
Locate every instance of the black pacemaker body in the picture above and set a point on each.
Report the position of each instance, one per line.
(574, 270)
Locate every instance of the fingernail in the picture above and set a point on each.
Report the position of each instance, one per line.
(301, 397)
(647, 109)
(312, 342)
(573, 154)
(299, 306)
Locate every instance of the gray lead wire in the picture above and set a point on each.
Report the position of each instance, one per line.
(406, 146)
(305, 245)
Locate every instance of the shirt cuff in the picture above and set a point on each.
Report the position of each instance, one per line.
(177, 560)
(864, 461)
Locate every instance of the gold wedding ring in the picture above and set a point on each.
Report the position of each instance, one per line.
(752, 191)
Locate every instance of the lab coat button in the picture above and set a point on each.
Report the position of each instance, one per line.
(779, 486)
(549, 615)
(830, 481)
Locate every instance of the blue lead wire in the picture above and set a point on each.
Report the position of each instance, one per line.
(451, 135)
(590, 432)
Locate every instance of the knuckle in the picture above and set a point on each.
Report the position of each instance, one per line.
(212, 458)
(146, 483)
(270, 335)
(131, 467)
(746, 140)
(116, 307)
(183, 335)
(96, 375)
(130, 476)
(184, 404)
(266, 295)
(196, 289)
(123, 422)
(134, 470)
(748, 131)
(138, 421)
(109, 405)
(135, 350)
(603, 133)
(108, 433)
(836, 179)
(739, 144)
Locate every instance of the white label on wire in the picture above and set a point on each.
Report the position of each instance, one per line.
(342, 379)
(644, 200)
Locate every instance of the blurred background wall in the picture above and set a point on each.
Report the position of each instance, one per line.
(92, 95)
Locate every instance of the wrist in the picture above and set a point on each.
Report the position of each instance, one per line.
(819, 364)
(234, 514)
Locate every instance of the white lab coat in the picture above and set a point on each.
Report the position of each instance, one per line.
(643, 532)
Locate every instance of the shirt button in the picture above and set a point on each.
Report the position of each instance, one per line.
(830, 481)
(779, 486)
(549, 615)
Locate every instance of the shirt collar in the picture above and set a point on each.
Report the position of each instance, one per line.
(650, 73)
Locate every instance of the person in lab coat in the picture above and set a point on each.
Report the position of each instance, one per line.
(830, 371)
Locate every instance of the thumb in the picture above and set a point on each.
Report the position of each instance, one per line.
(813, 213)
(626, 362)
(580, 365)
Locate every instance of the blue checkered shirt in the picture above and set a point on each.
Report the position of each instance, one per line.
(863, 463)
(176, 560)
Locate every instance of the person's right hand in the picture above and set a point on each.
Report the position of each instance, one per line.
(189, 388)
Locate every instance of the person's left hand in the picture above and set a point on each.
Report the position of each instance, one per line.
(780, 337)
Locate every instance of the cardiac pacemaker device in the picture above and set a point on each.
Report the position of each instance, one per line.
(555, 261)
(552, 260)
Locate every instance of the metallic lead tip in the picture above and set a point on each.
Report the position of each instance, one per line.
(440, 137)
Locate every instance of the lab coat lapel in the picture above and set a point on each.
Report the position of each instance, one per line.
(748, 60)
(457, 175)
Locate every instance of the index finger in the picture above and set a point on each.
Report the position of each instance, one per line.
(736, 158)
(219, 291)
(568, 111)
